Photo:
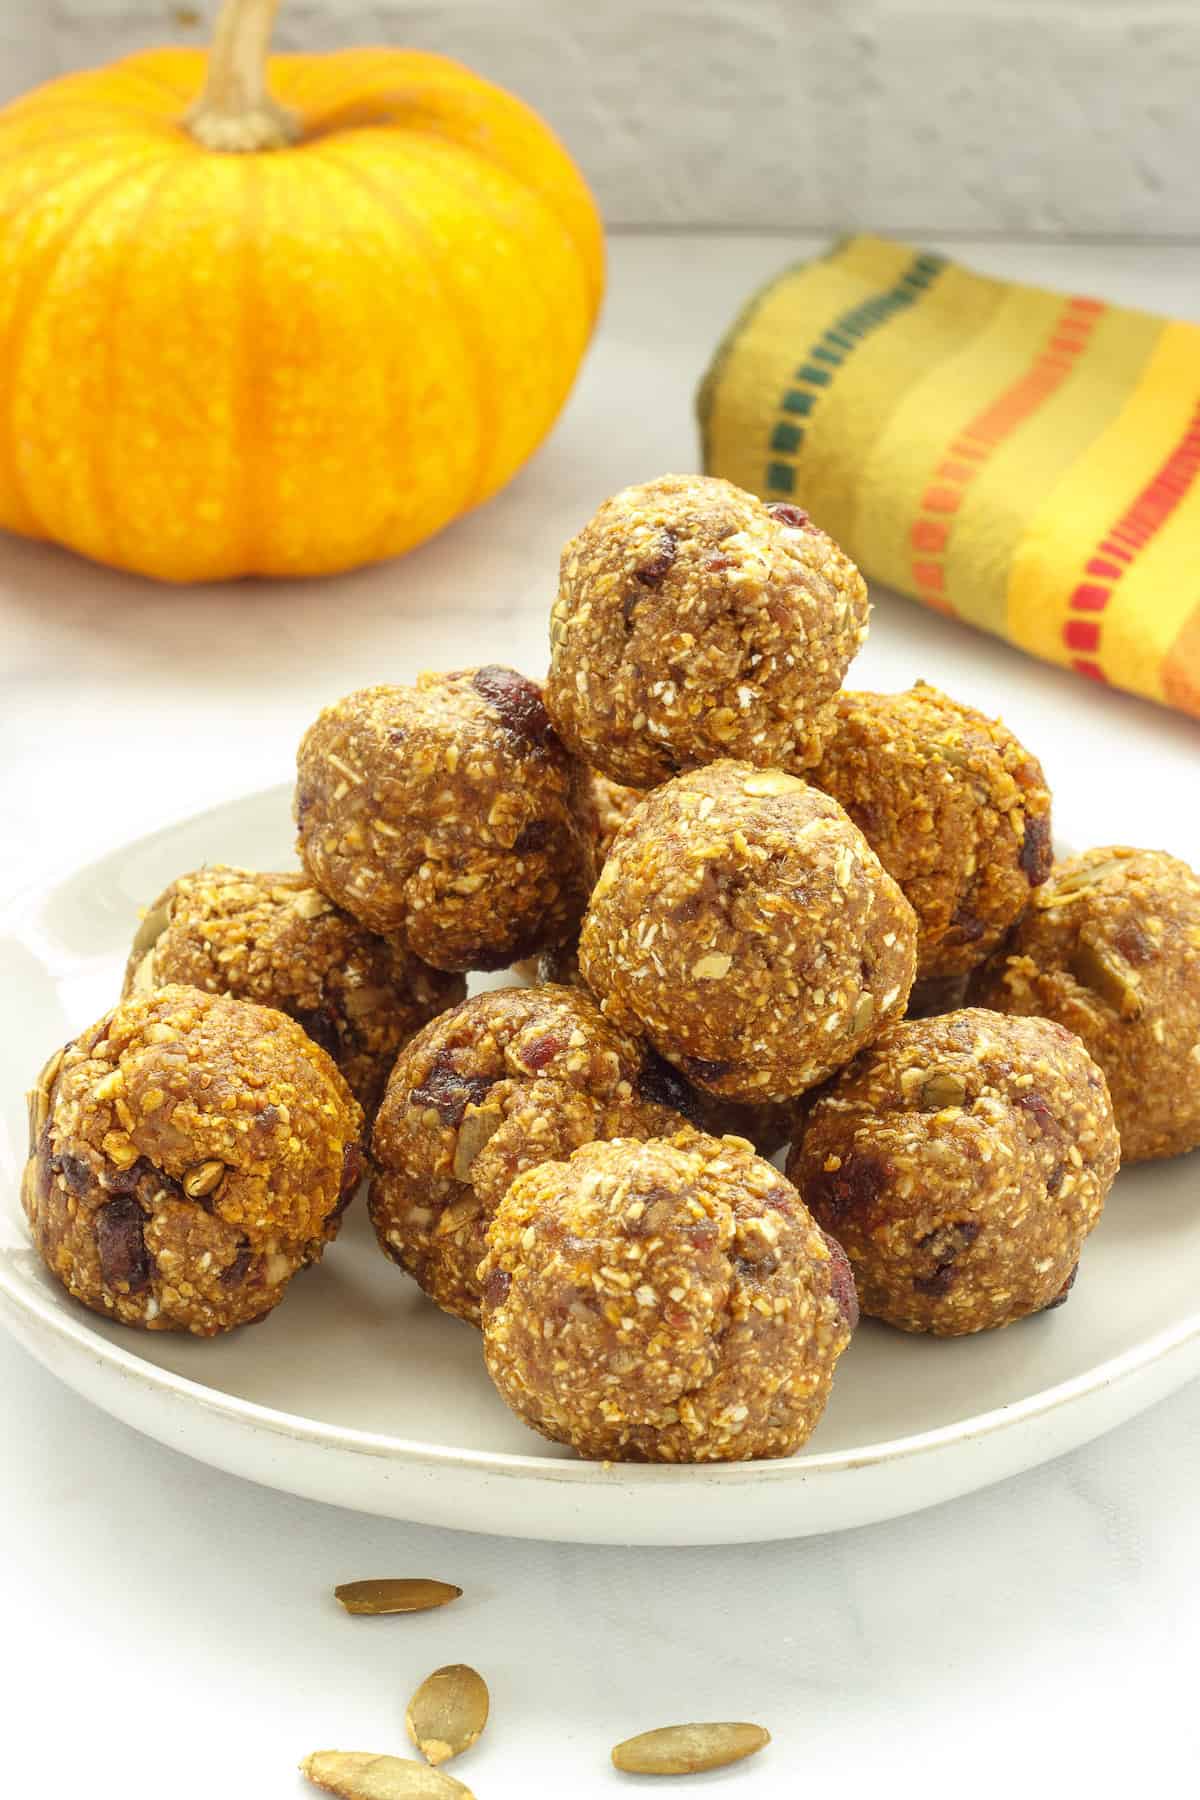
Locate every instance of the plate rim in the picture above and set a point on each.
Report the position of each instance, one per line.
(44, 1310)
(71, 1324)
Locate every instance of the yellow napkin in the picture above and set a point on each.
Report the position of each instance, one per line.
(1021, 459)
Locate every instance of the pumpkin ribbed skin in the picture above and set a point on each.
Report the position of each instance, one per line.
(288, 362)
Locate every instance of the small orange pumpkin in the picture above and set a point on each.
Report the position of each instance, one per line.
(279, 335)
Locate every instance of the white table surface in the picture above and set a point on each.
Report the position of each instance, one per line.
(170, 1630)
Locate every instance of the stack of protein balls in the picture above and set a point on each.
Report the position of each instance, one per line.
(721, 877)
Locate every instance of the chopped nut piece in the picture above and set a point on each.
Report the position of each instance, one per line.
(771, 781)
(310, 904)
(943, 1090)
(688, 1749)
(448, 1712)
(713, 967)
(204, 1179)
(120, 1150)
(403, 1594)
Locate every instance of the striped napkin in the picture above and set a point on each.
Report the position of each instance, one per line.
(1024, 460)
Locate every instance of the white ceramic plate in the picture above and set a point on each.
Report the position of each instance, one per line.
(358, 1391)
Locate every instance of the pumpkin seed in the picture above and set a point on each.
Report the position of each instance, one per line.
(958, 754)
(447, 1713)
(29, 1189)
(204, 1179)
(153, 924)
(458, 1215)
(402, 1594)
(143, 976)
(864, 1014)
(357, 1775)
(38, 1097)
(1086, 876)
(49, 1074)
(688, 1749)
(1100, 968)
(479, 1122)
(943, 1089)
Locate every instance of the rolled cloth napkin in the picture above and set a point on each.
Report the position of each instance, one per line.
(1024, 460)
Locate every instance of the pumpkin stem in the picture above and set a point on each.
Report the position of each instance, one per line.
(235, 111)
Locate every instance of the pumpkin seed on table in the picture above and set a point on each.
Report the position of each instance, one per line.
(359, 1775)
(688, 1749)
(401, 1594)
(448, 1711)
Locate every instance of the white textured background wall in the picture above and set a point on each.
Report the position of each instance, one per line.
(1075, 117)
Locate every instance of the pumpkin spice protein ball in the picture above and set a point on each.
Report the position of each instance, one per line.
(505, 1080)
(961, 1162)
(1110, 948)
(748, 929)
(275, 939)
(693, 622)
(955, 809)
(188, 1154)
(671, 1301)
(446, 815)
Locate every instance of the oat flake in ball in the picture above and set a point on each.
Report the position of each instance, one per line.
(961, 1162)
(275, 939)
(1111, 949)
(505, 1080)
(670, 1301)
(446, 815)
(692, 622)
(749, 930)
(188, 1154)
